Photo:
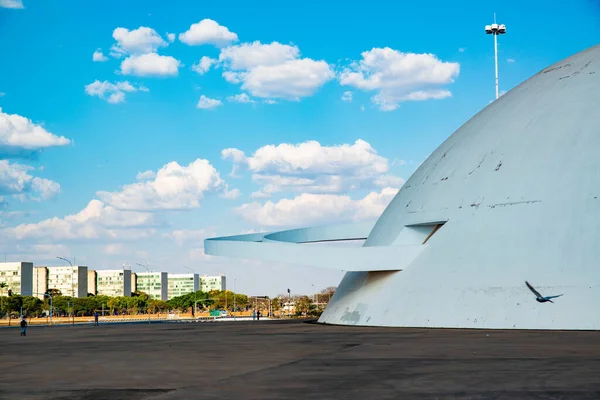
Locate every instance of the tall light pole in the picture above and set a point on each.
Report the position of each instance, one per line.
(233, 298)
(50, 297)
(72, 285)
(194, 286)
(495, 29)
(148, 306)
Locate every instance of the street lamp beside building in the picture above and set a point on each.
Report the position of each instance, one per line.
(72, 287)
(148, 306)
(195, 288)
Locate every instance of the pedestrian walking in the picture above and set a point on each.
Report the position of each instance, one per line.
(96, 318)
(23, 327)
(258, 315)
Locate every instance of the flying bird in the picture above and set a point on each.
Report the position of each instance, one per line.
(538, 297)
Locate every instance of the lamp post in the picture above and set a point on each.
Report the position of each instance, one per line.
(233, 298)
(148, 306)
(50, 297)
(495, 29)
(72, 287)
(194, 285)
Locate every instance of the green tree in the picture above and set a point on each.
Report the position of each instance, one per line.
(3, 286)
(157, 306)
(32, 306)
(186, 302)
(13, 306)
(54, 292)
(304, 306)
(113, 304)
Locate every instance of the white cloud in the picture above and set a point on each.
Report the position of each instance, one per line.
(240, 98)
(207, 103)
(203, 65)
(247, 56)
(15, 180)
(96, 221)
(399, 77)
(17, 132)
(142, 176)
(11, 4)
(273, 70)
(175, 187)
(98, 56)
(462, 49)
(150, 64)
(347, 96)
(208, 31)
(387, 102)
(510, 60)
(308, 209)
(231, 194)
(232, 77)
(112, 92)
(137, 41)
(171, 37)
(311, 167)
(184, 236)
(114, 248)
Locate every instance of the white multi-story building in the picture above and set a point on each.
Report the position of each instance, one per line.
(40, 282)
(18, 277)
(92, 288)
(154, 284)
(113, 282)
(70, 281)
(180, 284)
(133, 282)
(208, 283)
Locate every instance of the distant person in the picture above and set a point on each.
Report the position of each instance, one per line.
(23, 327)
(258, 315)
(96, 318)
(253, 315)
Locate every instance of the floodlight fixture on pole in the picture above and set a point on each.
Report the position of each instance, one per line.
(495, 29)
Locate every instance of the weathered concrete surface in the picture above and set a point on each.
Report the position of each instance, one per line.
(294, 360)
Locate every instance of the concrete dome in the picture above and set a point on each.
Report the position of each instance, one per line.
(513, 195)
(518, 187)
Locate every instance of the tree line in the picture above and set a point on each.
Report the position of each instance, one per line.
(141, 303)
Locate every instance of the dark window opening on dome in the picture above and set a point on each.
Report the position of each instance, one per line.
(433, 231)
(417, 234)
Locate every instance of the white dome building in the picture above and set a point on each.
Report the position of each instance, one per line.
(511, 196)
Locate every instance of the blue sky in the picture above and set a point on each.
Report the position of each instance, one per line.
(337, 104)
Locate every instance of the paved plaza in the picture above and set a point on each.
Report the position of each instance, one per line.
(294, 360)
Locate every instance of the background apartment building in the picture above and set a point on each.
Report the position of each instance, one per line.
(133, 282)
(18, 277)
(70, 281)
(154, 284)
(92, 282)
(180, 284)
(208, 283)
(40, 281)
(113, 282)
